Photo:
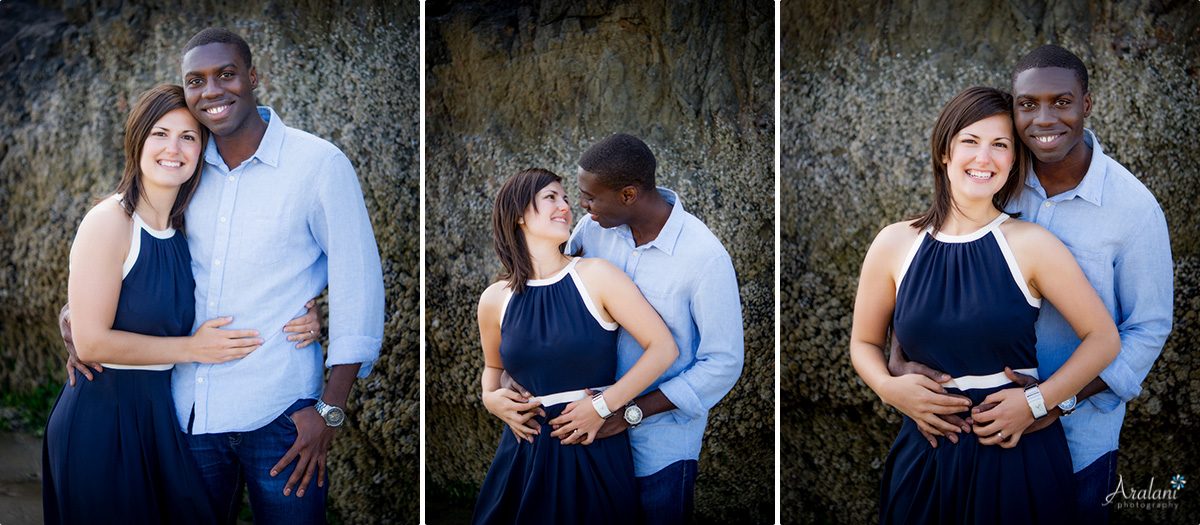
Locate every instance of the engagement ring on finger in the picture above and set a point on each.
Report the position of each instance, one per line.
(1001, 434)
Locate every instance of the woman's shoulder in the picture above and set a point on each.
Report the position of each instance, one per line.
(494, 293)
(106, 220)
(587, 265)
(1021, 233)
(492, 300)
(599, 275)
(897, 236)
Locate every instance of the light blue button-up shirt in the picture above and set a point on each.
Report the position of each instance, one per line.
(265, 237)
(687, 276)
(1118, 234)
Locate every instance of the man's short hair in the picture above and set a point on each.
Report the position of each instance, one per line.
(620, 160)
(1053, 56)
(220, 35)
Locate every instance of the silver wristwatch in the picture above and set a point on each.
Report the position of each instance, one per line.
(1068, 406)
(1033, 395)
(633, 414)
(600, 405)
(334, 416)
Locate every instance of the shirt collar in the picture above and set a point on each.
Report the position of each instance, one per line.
(1091, 188)
(269, 147)
(669, 234)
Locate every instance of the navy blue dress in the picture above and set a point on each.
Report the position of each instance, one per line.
(113, 451)
(552, 342)
(962, 307)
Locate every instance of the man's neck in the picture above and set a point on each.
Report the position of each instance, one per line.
(1066, 174)
(240, 145)
(649, 218)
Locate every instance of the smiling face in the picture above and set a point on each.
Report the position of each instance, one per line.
(603, 203)
(549, 215)
(219, 87)
(171, 151)
(1049, 110)
(980, 159)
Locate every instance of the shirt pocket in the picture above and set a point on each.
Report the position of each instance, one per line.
(263, 234)
(1098, 268)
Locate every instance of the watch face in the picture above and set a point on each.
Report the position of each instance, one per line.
(1067, 405)
(633, 415)
(334, 416)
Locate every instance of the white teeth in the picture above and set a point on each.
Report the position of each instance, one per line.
(1046, 139)
(981, 175)
(170, 164)
(218, 109)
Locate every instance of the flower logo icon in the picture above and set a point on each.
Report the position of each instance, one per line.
(1177, 482)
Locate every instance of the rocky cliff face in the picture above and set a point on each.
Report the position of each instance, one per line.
(512, 85)
(347, 72)
(862, 84)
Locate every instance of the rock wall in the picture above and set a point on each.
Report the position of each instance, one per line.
(862, 84)
(345, 71)
(511, 85)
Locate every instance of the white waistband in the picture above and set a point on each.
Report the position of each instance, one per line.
(988, 381)
(158, 368)
(565, 397)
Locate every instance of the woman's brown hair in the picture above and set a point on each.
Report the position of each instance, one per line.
(966, 108)
(515, 196)
(149, 108)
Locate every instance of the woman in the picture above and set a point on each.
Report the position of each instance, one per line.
(551, 323)
(962, 284)
(113, 452)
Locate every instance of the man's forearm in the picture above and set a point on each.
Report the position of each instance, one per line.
(1095, 387)
(654, 402)
(341, 378)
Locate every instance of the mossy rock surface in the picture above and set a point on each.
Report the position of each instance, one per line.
(862, 83)
(512, 85)
(346, 72)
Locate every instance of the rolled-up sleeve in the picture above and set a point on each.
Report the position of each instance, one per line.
(717, 311)
(1144, 284)
(342, 228)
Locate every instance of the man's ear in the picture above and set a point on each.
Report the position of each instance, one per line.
(253, 74)
(629, 195)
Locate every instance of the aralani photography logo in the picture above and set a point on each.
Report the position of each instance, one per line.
(1130, 497)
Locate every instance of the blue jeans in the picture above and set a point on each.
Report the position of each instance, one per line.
(667, 496)
(1094, 483)
(228, 461)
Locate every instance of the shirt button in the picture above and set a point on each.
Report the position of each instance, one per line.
(231, 178)
(1049, 204)
(217, 262)
(212, 303)
(222, 219)
(199, 379)
(635, 253)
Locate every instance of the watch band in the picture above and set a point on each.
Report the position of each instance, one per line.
(600, 405)
(1033, 395)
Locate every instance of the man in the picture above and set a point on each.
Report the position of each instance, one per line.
(687, 276)
(277, 217)
(1118, 234)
